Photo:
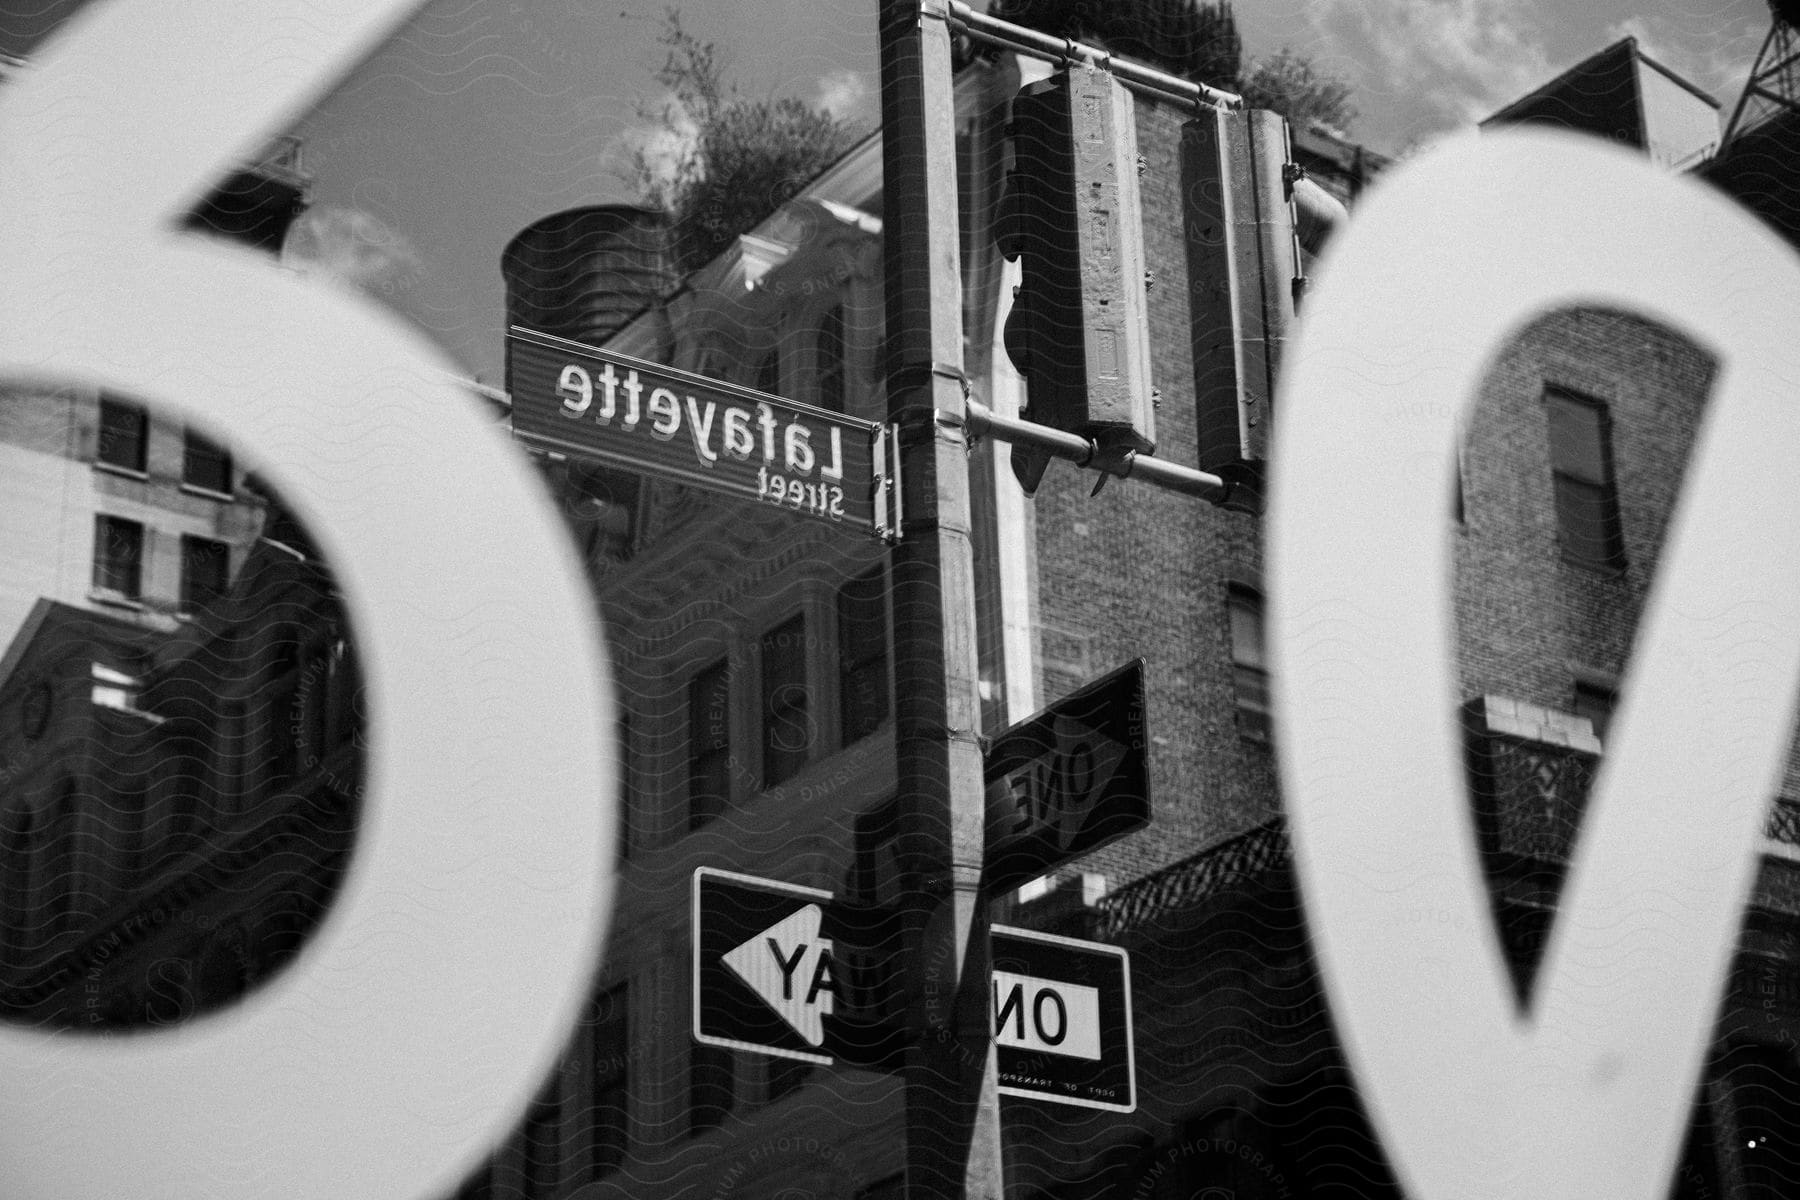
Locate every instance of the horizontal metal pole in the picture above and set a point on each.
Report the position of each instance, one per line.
(1037, 44)
(1318, 212)
(1073, 447)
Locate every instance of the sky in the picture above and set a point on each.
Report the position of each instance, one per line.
(480, 116)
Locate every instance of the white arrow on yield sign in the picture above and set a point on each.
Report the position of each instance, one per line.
(789, 966)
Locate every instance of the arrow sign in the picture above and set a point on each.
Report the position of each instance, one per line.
(789, 966)
(1068, 780)
(763, 976)
(1062, 1020)
(766, 979)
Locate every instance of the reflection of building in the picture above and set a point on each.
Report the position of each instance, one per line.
(106, 503)
(179, 809)
(179, 769)
(754, 664)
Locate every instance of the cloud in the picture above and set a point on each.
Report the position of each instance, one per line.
(1434, 65)
(660, 145)
(353, 246)
(1718, 62)
(842, 93)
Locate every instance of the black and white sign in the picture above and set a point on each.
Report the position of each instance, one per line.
(575, 399)
(763, 976)
(1074, 777)
(1062, 1020)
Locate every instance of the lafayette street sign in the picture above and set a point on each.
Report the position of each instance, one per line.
(569, 398)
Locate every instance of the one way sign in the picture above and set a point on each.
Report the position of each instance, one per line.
(763, 977)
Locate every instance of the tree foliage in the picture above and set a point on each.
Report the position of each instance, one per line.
(737, 159)
(1197, 40)
(1292, 85)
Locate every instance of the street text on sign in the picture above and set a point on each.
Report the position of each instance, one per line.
(1046, 1015)
(573, 399)
(1070, 779)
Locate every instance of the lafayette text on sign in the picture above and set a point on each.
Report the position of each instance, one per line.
(573, 399)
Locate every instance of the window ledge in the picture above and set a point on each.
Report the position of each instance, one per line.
(1603, 570)
(1771, 848)
(122, 472)
(114, 599)
(194, 489)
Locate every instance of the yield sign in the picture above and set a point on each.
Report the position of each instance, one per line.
(763, 975)
(789, 966)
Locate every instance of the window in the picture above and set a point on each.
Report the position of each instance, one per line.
(709, 744)
(876, 878)
(1587, 504)
(205, 571)
(118, 557)
(710, 1085)
(124, 430)
(204, 464)
(311, 722)
(1784, 821)
(627, 776)
(62, 831)
(278, 726)
(1250, 672)
(787, 729)
(831, 352)
(603, 503)
(862, 655)
(114, 688)
(543, 1139)
(612, 1078)
(1595, 701)
(869, 964)
(20, 831)
(344, 694)
(768, 372)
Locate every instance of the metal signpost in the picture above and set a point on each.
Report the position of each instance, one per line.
(1076, 776)
(1062, 1020)
(574, 399)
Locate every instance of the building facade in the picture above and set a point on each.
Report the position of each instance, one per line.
(180, 755)
(754, 661)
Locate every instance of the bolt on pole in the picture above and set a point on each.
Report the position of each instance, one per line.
(950, 1076)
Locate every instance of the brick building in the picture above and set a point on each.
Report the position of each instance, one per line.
(747, 642)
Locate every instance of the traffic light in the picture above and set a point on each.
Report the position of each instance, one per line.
(1244, 275)
(1078, 331)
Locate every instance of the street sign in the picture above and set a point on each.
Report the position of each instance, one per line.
(1069, 780)
(762, 971)
(1062, 1020)
(767, 977)
(569, 398)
